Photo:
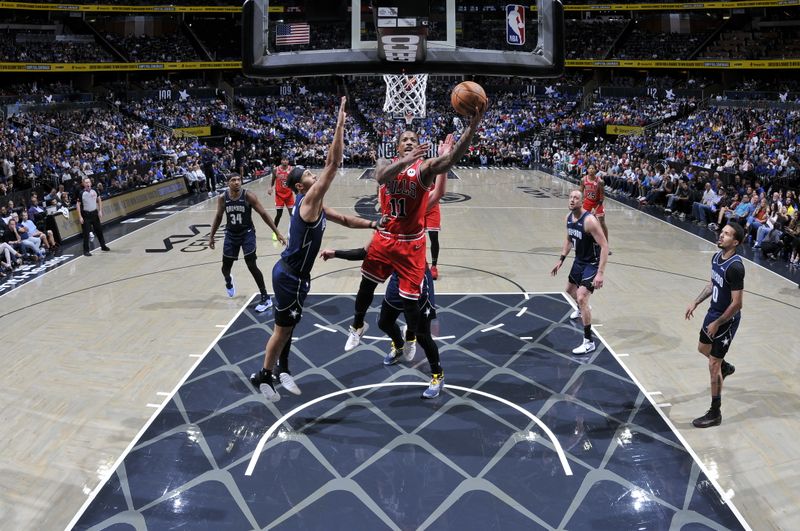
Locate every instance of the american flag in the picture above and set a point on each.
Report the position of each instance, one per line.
(298, 33)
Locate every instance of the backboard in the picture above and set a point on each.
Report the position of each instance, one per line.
(310, 38)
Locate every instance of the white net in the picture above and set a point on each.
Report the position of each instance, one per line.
(405, 95)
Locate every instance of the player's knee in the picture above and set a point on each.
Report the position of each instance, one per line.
(367, 286)
(250, 260)
(583, 297)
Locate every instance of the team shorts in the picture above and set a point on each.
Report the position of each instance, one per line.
(721, 342)
(388, 253)
(582, 274)
(594, 208)
(290, 295)
(284, 201)
(433, 220)
(233, 242)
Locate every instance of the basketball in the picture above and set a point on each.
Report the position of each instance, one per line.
(466, 96)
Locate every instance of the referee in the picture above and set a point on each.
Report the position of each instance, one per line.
(90, 208)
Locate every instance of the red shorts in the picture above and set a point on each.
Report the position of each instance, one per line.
(433, 220)
(594, 208)
(284, 200)
(389, 253)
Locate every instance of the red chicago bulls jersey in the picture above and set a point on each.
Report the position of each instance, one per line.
(404, 199)
(591, 190)
(281, 190)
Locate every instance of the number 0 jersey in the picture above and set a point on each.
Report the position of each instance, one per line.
(726, 276)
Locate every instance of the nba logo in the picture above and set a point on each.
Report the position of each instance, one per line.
(515, 24)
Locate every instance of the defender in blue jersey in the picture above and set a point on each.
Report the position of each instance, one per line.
(291, 276)
(722, 320)
(237, 205)
(393, 305)
(585, 234)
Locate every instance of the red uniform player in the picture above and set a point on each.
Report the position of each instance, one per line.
(284, 197)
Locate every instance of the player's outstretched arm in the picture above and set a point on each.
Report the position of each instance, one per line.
(258, 207)
(440, 184)
(354, 255)
(593, 227)
(312, 203)
(217, 220)
(442, 164)
(353, 222)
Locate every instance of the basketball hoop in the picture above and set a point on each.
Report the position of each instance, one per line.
(405, 95)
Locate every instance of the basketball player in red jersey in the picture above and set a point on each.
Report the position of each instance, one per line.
(405, 182)
(433, 216)
(593, 190)
(283, 195)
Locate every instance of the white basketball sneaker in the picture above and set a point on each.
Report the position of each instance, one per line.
(354, 337)
(586, 347)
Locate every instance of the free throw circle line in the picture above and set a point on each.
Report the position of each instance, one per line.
(264, 438)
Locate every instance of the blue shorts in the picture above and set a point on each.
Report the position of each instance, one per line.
(426, 301)
(582, 274)
(290, 295)
(721, 342)
(234, 242)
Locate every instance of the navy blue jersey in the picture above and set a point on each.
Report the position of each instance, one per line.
(238, 214)
(305, 240)
(587, 251)
(427, 297)
(726, 276)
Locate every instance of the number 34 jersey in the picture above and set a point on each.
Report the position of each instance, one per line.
(238, 217)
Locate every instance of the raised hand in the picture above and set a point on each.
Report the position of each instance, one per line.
(445, 147)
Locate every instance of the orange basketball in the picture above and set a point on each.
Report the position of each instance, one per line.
(466, 96)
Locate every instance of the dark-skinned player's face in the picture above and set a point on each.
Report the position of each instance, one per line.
(235, 183)
(407, 142)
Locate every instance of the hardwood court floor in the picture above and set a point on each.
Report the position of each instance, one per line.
(93, 346)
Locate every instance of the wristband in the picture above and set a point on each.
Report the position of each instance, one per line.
(373, 224)
(562, 257)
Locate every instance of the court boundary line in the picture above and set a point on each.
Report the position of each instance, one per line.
(277, 424)
(152, 418)
(671, 426)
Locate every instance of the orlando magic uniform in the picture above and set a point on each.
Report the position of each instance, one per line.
(726, 276)
(291, 276)
(393, 302)
(587, 252)
(240, 233)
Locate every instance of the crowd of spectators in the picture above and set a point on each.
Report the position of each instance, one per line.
(644, 44)
(174, 47)
(122, 147)
(591, 38)
(43, 48)
(177, 113)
